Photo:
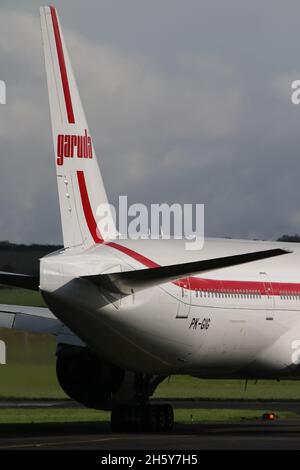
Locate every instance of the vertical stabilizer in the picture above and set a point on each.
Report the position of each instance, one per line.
(79, 180)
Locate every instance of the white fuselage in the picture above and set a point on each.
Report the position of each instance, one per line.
(242, 321)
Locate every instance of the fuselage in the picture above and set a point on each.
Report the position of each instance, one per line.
(242, 321)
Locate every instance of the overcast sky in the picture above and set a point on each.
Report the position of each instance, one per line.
(187, 101)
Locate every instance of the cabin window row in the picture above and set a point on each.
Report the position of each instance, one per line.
(226, 295)
(239, 295)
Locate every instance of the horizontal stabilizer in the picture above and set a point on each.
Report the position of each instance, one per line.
(129, 281)
(36, 320)
(19, 280)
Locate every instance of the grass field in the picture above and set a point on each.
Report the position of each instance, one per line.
(67, 415)
(30, 369)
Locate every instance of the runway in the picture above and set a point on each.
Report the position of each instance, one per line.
(267, 405)
(279, 435)
(253, 434)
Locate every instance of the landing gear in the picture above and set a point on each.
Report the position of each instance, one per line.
(142, 418)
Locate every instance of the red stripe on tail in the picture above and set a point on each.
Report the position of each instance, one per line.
(88, 213)
(62, 66)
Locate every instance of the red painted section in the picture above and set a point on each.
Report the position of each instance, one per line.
(240, 287)
(88, 213)
(133, 254)
(62, 66)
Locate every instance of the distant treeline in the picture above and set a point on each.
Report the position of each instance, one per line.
(25, 258)
(289, 238)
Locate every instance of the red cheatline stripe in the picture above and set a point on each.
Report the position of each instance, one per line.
(240, 287)
(191, 283)
(88, 213)
(62, 66)
(133, 254)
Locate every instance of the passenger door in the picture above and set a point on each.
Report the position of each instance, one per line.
(184, 299)
(268, 297)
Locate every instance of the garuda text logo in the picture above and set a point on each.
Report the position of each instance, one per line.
(70, 146)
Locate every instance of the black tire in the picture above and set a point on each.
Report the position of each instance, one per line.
(147, 418)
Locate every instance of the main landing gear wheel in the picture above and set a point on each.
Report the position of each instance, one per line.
(144, 418)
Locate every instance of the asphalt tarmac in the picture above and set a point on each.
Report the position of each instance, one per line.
(267, 405)
(246, 434)
(279, 435)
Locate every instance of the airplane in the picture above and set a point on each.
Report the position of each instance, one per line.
(127, 314)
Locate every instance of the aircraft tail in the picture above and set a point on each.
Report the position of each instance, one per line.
(79, 180)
